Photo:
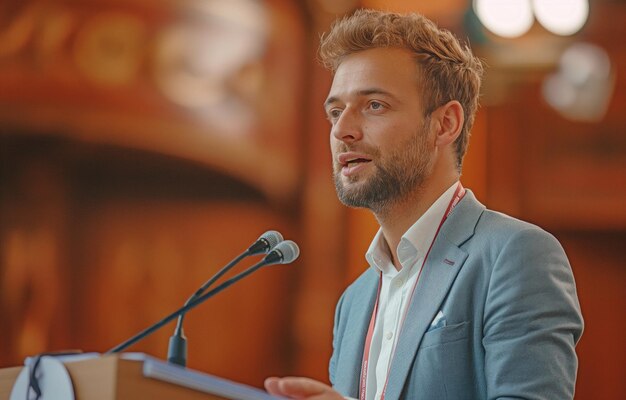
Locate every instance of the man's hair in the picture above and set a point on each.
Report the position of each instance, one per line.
(449, 70)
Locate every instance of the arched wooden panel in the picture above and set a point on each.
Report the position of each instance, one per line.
(217, 83)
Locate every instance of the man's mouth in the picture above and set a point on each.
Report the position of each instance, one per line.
(351, 158)
(351, 162)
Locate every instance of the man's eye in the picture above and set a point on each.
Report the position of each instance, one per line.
(334, 113)
(374, 105)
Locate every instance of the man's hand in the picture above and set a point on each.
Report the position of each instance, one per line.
(301, 388)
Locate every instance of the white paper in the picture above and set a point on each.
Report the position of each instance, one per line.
(157, 369)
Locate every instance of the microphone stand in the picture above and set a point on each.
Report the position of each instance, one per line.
(177, 346)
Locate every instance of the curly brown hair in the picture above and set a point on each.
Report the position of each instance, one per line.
(449, 70)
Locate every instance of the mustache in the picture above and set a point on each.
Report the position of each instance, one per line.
(369, 150)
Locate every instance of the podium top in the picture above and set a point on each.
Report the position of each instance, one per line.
(133, 376)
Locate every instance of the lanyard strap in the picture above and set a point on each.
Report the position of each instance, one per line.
(458, 195)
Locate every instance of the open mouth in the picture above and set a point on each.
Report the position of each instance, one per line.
(352, 162)
(351, 159)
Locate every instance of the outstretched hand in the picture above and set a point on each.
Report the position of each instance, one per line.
(301, 388)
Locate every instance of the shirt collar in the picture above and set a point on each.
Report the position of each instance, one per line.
(416, 240)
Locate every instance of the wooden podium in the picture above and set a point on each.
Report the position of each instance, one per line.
(124, 377)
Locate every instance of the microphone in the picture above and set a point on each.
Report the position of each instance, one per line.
(265, 242)
(284, 253)
(177, 346)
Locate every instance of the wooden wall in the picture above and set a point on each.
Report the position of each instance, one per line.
(569, 177)
(144, 145)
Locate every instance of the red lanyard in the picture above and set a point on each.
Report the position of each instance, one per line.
(458, 195)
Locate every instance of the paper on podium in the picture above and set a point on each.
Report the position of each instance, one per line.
(156, 369)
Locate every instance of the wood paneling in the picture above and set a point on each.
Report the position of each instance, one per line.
(600, 279)
(142, 149)
(34, 245)
(99, 243)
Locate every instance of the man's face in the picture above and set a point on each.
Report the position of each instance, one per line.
(380, 140)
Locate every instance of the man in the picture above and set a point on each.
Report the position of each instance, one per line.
(459, 302)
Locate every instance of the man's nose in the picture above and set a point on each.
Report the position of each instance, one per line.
(348, 127)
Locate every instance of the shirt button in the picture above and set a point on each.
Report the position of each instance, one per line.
(388, 335)
(399, 283)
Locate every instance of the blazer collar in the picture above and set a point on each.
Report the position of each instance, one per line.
(462, 221)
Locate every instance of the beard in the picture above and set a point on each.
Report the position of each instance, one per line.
(397, 175)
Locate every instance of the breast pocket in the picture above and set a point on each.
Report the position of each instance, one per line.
(443, 366)
(446, 334)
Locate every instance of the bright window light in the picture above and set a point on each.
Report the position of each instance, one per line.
(507, 18)
(562, 17)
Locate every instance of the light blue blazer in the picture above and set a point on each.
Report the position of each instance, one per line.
(512, 317)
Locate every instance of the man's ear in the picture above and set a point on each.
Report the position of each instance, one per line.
(449, 121)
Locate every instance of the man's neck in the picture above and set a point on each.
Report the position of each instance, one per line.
(398, 217)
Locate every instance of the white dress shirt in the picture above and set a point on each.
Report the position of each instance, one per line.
(397, 287)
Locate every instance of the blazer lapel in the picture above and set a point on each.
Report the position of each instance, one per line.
(441, 268)
(348, 369)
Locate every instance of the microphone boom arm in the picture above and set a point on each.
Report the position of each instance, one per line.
(207, 284)
(177, 347)
(188, 306)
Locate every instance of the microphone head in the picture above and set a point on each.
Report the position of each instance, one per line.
(265, 243)
(284, 253)
(272, 238)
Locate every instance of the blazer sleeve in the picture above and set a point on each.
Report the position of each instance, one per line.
(532, 320)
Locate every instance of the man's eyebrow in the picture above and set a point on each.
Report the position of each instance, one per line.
(330, 100)
(366, 92)
(363, 92)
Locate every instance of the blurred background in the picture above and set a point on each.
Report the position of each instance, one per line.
(144, 144)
